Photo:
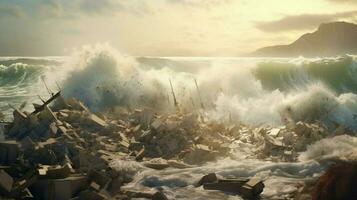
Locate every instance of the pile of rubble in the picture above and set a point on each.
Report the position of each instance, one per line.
(65, 151)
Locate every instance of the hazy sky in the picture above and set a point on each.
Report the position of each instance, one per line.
(162, 27)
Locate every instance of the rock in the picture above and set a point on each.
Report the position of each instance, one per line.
(209, 178)
(6, 182)
(159, 196)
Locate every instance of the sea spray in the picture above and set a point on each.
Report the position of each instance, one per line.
(342, 147)
(253, 93)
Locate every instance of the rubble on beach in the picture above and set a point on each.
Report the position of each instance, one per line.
(63, 150)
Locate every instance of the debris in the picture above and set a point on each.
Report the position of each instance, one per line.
(6, 182)
(9, 151)
(246, 187)
(64, 151)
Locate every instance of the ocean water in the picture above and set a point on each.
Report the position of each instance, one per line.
(253, 91)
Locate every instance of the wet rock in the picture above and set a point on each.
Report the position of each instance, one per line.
(159, 196)
(209, 178)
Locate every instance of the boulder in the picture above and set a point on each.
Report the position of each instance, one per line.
(209, 178)
(159, 196)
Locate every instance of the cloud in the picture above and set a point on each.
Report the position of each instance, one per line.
(10, 12)
(62, 9)
(100, 7)
(343, 1)
(199, 3)
(302, 22)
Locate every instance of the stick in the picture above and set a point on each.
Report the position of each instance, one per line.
(53, 97)
(173, 94)
(199, 95)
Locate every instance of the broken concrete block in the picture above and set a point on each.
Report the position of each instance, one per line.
(246, 187)
(252, 188)
(9, 151)
(58, 189)
(55, 172)
(6, 182)
(156, 124)
(274, 132)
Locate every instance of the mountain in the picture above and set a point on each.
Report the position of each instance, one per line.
(330, 39)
